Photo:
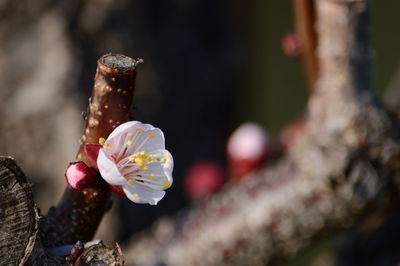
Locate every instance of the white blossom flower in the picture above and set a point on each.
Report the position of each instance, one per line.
(134, 157)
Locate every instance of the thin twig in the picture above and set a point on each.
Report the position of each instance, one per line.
(304, 11)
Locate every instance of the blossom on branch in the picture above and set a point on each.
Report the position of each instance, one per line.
(134, 158)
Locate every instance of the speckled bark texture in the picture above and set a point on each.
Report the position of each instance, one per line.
(25, 236)
(78, 214)
(346, 161)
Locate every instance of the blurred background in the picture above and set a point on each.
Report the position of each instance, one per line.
(209, 67)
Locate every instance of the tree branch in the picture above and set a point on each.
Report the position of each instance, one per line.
(346, 157)
(78, 214)
(20, 238)
(24, 235)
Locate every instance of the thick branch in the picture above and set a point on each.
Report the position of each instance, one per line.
(78, 214)
(348, 154)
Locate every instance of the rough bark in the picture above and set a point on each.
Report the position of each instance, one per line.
(18, 214)
(78, 214)
(346, 159)
(100, 254)
(21, 241)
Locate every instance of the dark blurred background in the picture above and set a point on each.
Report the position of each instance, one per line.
(209, 66)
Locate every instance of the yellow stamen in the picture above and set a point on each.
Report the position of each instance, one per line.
(141, 158)
(139, 162)
(166, 184)
(165, 157)
(131, 181)
(129, 142)
(152, 175)
(108, 145)
(135, 195)
(102, 141)
(150, 136)
(130, 135)
(140, 130)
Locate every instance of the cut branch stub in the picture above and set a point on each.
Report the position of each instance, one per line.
(111, 99)
(100, 254)
(78, 214)
(18, 215)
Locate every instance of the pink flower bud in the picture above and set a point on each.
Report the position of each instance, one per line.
(248, 148)
(203, 178)
(290, 45)
(80, 176)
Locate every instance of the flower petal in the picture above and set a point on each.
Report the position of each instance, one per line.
(123, 129)
(132, 137)
(116, 143)
(146, 140)
(156, 173)
(168, 164)
(108, 170)
(141, 194)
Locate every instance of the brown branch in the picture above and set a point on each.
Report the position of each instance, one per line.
(304, 11)
(20, 238)
(78, 214)
(347, 156)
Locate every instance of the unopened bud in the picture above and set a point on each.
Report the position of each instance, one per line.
(291, 45)
(248, 148)
(203, 178)
(80, 176)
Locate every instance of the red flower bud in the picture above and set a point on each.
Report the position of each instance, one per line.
(203, 178)
(291, 45)
(92, 151)
(117, 189)
(80, 176)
